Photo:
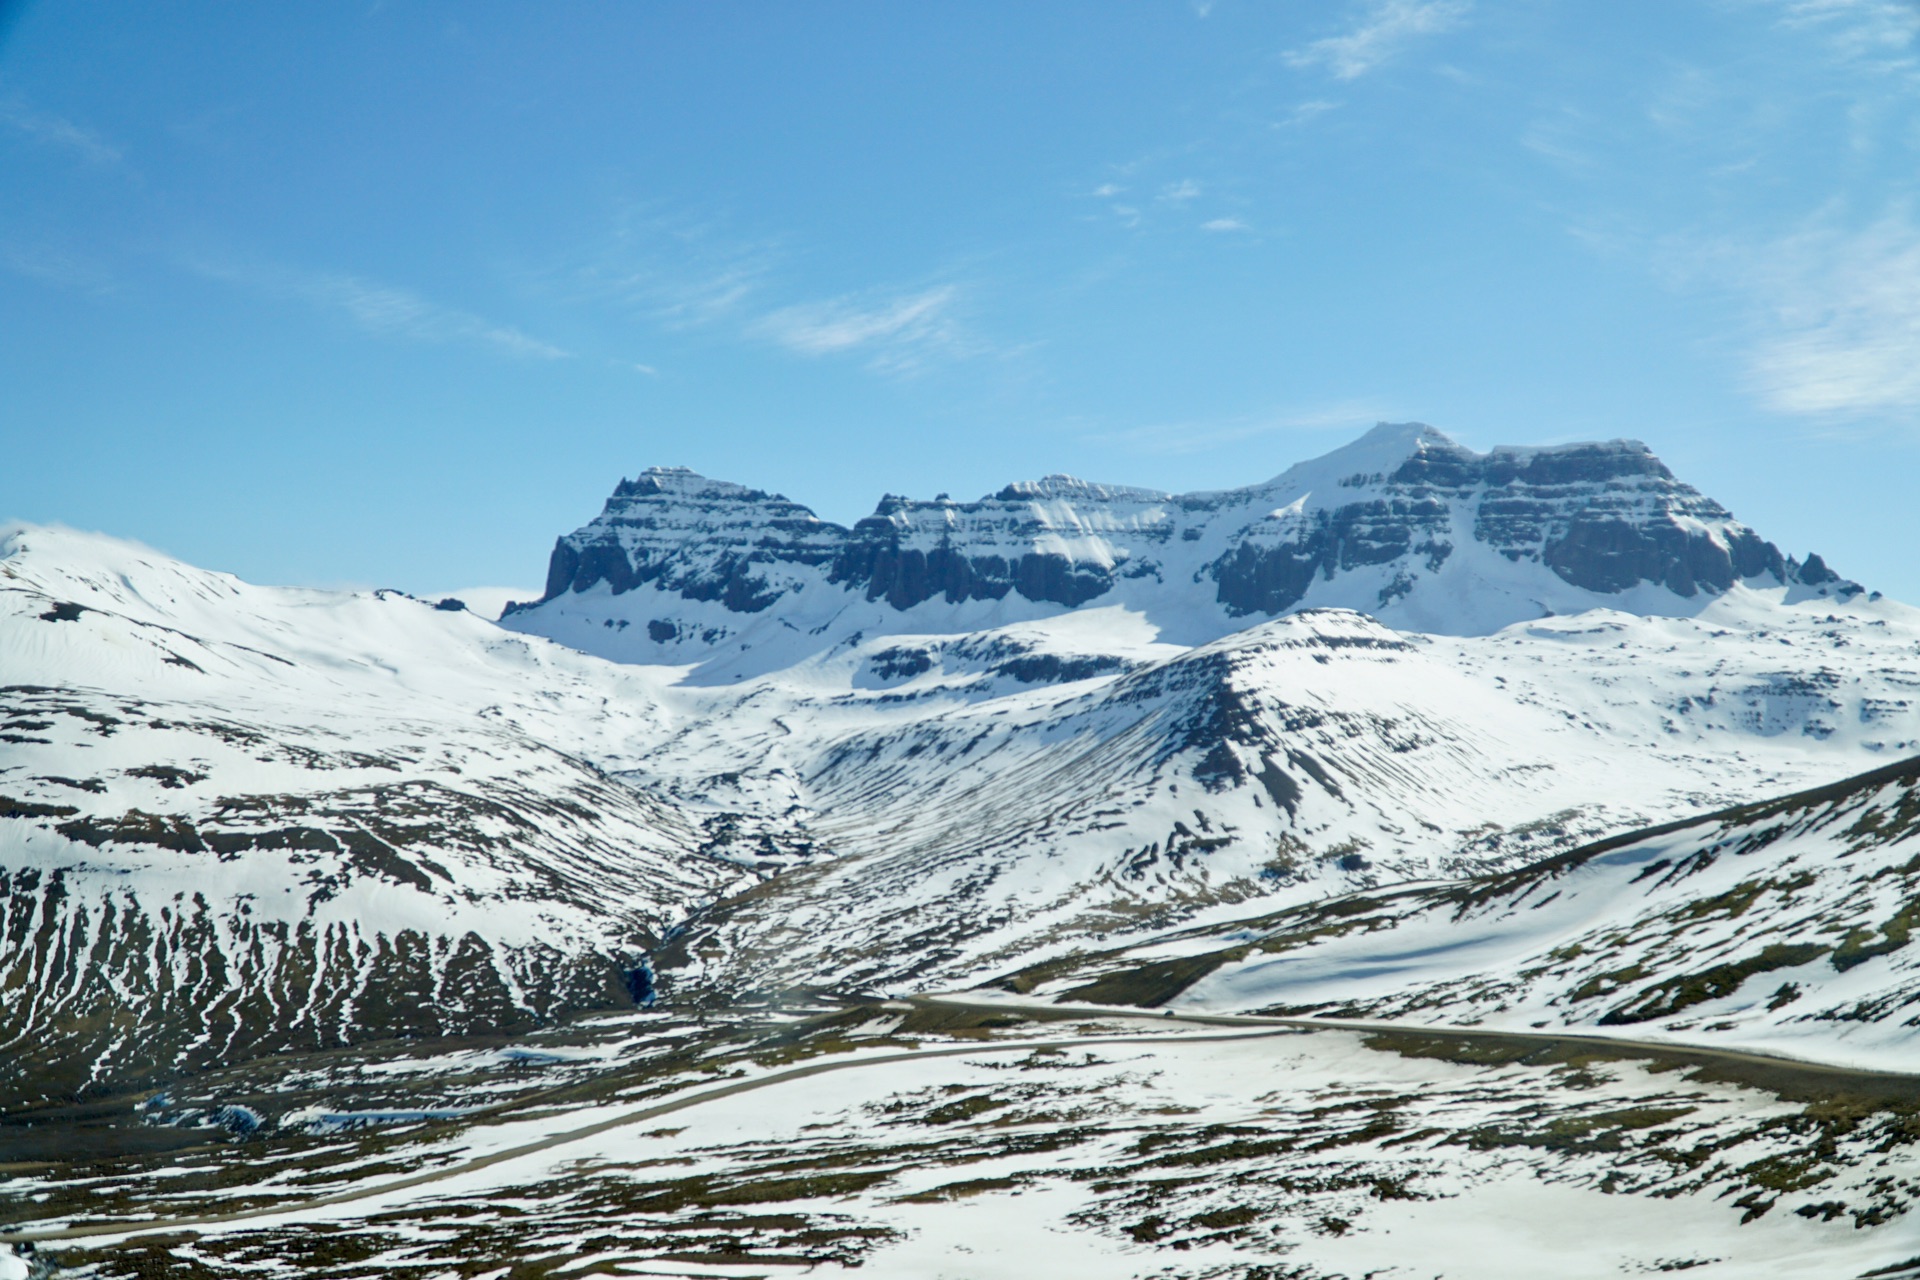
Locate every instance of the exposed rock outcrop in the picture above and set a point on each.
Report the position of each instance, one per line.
(1404, 523)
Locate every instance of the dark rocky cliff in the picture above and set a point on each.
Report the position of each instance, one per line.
(1404, 510)
(1602, 517)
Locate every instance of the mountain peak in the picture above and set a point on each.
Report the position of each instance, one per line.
(684, 482)
(1072, 488)
(1404, 523)
(1382, 451)
(1389, 446)
(1405, 436)
(1618, 445)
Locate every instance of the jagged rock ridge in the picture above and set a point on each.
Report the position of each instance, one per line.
(1405, 524)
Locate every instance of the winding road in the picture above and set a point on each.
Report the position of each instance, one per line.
(1251, 1028)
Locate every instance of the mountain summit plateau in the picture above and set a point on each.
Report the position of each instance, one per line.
(1404, 524)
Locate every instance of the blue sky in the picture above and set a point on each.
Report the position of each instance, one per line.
(393, 293)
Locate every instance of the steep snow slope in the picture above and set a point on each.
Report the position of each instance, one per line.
(1784, 926)
(1404, 524)
(234, 819)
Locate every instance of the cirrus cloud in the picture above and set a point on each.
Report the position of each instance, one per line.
(1387, 29)
(1839, 319)
(57, 131)
(899, 333)
(380, 309)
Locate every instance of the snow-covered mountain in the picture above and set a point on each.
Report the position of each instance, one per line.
(1061, 711)
(1404, 524)
(767, 752)
(236, 819)
(1028, 791)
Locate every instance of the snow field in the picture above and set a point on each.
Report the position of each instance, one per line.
(1183, 1157)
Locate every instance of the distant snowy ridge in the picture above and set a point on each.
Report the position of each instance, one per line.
(1404, 524)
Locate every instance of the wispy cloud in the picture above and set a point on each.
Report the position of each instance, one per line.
(1882, 33)
(671, 268)
(702, 298)
(1838, 324)
(1388, 27)
(380, 309)
(57, 267)
(1180, 192)
(685, 270)
(57, 131)
(1126, 214)
(1304, 112)
(899, 333)
(1198, 436)
(1224, 224)
(1563, 140)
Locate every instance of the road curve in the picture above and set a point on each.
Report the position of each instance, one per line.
(1449, 1031)
(1252, 1027)
(152, 1226)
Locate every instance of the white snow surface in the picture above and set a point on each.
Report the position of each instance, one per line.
(1485, 1212)
(1782, 931)
(252, 811)
(941, 805)
(990, 819)
(956, 794)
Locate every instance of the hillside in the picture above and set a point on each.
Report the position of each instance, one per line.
(237, 820)
(1781, 926)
